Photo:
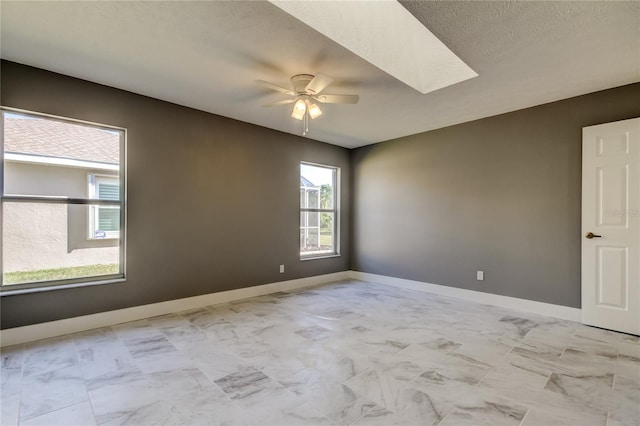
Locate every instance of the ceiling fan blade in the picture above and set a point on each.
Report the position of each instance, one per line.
(275, 87)
(337, 99)
(318, 84)
(283, 102)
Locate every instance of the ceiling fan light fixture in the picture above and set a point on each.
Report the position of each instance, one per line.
(299, 109)
(314, 111)
(306, 89)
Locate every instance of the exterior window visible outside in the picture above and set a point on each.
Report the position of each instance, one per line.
(104, 220)
(63, 201)
(318, 210)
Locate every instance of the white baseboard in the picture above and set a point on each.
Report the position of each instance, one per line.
(540, 308)
(29, 333)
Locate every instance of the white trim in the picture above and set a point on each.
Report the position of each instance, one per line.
(540, 308)
(316, 257)
(29, 333)
(56, 161)
(59, 118)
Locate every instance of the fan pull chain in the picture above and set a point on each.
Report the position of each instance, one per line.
(305, 123)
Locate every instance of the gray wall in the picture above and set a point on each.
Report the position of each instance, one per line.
(500, 195)
(212, 202)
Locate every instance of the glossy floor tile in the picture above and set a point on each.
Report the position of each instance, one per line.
(339, 354)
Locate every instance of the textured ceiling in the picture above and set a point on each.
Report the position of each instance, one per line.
(207, 55)
(387, 35)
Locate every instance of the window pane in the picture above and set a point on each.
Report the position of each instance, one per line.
(318, 240)
(44, 242)
(318, 184)
(55, 158)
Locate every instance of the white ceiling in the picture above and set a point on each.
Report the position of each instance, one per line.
(207, 55)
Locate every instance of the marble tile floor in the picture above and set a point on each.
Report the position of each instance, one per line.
(347, 353)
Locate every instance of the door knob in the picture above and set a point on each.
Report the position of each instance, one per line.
(591, 235)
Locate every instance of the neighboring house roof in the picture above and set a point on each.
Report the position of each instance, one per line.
(53, 138)
(306, 182)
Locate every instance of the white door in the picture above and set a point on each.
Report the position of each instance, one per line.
(611, 226)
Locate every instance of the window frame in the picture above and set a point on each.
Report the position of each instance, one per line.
(335, 210)
(38, 286)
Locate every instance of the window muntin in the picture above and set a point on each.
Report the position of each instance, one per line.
(56, 228)
(318, 210)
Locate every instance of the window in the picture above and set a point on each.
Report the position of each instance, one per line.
(104, 221)
(318, 210)
(63, 203)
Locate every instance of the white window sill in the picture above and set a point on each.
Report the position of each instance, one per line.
(8, 291)
(319, 256)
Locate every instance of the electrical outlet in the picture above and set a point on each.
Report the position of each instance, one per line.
(480, 275)
(282, 269)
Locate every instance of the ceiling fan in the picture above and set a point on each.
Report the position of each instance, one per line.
(307, 88)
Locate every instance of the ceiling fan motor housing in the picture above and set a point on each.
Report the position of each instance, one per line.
(300, 82)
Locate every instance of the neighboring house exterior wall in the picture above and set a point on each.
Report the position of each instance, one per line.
(44, 236)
